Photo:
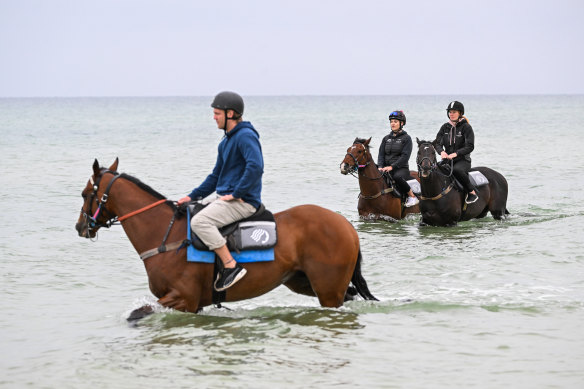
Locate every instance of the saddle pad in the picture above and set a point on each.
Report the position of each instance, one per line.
(478, 178)
(194, 255)
(415, 185)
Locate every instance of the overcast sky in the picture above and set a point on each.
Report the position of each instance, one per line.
(296, 47)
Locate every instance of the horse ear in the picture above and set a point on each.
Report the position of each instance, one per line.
(96, 168)
(114, 166)
(417, 140)
(367, 142)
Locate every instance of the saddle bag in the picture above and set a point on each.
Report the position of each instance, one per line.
(256, 232)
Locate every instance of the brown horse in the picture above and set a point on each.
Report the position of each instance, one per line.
(375, 200)
(317, 253)
(442, 204)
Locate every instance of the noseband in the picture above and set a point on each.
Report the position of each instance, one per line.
(92, 221)
(432, 161)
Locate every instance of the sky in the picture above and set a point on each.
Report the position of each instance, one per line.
(53, 48)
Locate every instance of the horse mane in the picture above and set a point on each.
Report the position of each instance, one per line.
(362, 141)
(146, 188)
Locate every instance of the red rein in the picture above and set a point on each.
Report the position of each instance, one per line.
(141, 210)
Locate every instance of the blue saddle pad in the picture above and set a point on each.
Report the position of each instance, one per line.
(194, 255)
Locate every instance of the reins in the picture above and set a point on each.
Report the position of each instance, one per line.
(138, 211)
(115, 219)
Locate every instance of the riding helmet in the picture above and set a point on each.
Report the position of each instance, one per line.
(398, 115)
(228, 100)
(455, 106)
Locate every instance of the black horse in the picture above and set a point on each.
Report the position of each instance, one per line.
(442, 200)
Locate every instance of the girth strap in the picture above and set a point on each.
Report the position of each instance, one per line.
(444, 193)
(385, 191)
(162, 249)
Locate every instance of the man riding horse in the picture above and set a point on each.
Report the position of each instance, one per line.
(237, 179)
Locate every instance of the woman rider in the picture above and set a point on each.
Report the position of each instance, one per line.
(394, 153)
(455, 141)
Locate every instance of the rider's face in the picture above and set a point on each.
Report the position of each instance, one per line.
(453, 115)
(219, 117)
(394, 124)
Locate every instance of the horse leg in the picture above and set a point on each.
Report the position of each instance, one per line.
(300, 284)
(175, 300)
(329, 281)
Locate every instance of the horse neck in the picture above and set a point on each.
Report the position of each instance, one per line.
(367, 183)
(434, 184)
(145, 230)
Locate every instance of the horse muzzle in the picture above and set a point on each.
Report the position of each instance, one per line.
(84, 230)
(346, 168)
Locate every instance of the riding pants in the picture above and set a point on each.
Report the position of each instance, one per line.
(400, 176)
(217, 214)
(461, 169)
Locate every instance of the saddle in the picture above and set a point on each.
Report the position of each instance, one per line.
(256, 232)
(412, 182)
(477, 178)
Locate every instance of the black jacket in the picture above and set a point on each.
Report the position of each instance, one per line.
(459, 140)
(395, 150)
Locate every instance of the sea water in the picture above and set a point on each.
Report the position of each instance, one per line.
(485, 304)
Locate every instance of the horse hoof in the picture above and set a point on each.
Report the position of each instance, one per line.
(140, 313)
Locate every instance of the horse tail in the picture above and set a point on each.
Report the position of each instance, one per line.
(359, 282)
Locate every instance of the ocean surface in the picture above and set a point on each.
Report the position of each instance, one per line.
(485, 304)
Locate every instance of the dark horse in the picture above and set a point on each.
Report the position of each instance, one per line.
(317, 253)
(375, 200)
(441, 204)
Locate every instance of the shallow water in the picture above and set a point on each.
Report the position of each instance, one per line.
(484, 304)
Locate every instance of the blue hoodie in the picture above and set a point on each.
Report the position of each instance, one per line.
(239, 167)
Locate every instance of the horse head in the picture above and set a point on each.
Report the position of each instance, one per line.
(357, 156)
(93, 212)
(426, 158)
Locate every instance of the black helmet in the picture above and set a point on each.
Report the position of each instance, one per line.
(398, 115)
(455, 106)
(228, 100)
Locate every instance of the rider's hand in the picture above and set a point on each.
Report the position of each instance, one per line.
(452, 156)
(443, 155)
(185, 199)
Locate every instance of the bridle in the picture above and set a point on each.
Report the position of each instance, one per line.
(359, 168)
(355, 168)
(92, 219)
(93, 222)
(433, 163)
(433, 167)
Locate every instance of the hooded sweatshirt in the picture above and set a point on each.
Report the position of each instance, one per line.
(456, 138)
(239, 167)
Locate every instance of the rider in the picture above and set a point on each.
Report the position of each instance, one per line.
(394, 153)
(237, 179)
(455, 141)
